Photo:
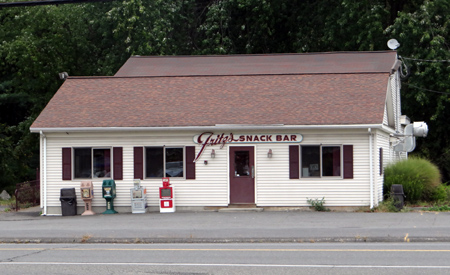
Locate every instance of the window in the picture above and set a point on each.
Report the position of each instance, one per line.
(164, 162)
(92, 163)
(320, 161)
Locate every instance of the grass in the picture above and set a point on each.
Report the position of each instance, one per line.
(433, 206)
(442, 208)
(11, 204)
(7, 202)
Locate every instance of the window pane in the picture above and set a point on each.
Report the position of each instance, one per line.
(174, 162)
(102, 163)
(82, 163)
(154, 159)
(241, 163)
(331, 161)
(310, 161)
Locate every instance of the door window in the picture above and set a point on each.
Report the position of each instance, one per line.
(241, 163)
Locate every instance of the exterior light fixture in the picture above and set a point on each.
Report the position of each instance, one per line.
(269, 154)
(213, 153)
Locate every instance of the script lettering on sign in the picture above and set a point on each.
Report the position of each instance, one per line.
(209, 139)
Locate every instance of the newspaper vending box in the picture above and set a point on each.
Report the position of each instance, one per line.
(87, 194)
(166, 197)
(138, 198)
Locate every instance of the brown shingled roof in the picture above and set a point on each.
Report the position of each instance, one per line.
(317, 99)
(306, 63)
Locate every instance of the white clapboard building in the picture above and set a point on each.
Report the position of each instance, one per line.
(266, 131)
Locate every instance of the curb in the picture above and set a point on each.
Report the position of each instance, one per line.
(93, 240)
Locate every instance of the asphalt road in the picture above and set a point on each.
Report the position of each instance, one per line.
(274, 258)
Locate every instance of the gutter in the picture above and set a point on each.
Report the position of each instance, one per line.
(218, 127)
(371, 167)
(44, 173)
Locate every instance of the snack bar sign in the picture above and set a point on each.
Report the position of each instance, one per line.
(210, 139)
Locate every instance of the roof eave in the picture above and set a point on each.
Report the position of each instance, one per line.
(218, 127)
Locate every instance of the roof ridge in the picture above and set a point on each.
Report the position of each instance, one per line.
(218, 75)
(259, 54)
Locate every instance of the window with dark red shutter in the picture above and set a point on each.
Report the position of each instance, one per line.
(118, 163)
(381, 161)
(190, 164)
(294, 162)
(67, 163)
(139, 163)
(348, 161)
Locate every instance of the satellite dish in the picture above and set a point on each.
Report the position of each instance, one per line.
(408, 143)
(393, 44)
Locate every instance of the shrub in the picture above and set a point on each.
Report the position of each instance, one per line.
(439, 193)
(419, 177)
(318, 205)
(447, 189)
(412, 185)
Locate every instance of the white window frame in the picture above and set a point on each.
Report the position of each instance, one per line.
(92, 162)
(164, 161)
(321, 176)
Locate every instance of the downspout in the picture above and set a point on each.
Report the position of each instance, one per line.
(44, 173)
(371, 167)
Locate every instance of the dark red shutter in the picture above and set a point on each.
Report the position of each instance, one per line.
(294, 168)
(67, 163)
(139, 163)
(348, 161)
(381, 161)
(190, 164)
(118, 163)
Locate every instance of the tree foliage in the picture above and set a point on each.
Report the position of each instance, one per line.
(37, 43)
(425, 49)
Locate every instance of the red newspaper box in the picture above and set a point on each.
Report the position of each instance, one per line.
(166, 197)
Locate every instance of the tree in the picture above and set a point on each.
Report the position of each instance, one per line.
(425, 47)
(67, 38)
(97, 38)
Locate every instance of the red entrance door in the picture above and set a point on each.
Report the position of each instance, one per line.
(242, 175)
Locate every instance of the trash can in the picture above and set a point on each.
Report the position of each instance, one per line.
(68, 200)
(398, 196)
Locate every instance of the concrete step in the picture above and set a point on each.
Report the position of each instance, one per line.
(241, 209)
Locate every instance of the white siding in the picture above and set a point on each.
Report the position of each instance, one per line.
(382, 141)
(211, 186)
(276, 189)
(395, 93)
(385, 117)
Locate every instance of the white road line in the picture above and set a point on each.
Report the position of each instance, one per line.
(226, 249)
(229, 265)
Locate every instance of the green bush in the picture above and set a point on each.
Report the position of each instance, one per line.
(318, 205)
(447, 189)
(439, 193)
(412, 185)
(420, 178)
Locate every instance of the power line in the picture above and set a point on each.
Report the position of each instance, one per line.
(413, 86)
(425, 60)
(46, 2)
